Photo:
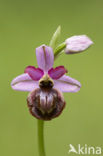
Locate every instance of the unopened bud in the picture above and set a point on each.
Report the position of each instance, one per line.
(77, 44)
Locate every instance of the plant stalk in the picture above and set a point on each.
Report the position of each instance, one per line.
(41, 147)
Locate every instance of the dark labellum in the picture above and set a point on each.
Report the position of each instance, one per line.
(45, 103)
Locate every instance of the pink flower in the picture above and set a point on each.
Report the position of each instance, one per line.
(45, 85)
(77, 44)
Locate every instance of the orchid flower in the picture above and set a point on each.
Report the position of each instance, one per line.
(47, 84)
(30, 81)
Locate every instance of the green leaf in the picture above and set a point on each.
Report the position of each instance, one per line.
(55, 37)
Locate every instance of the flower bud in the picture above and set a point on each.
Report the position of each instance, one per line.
(45, 104)
(77, 44)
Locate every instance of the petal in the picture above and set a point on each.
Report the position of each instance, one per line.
(34, 73)
(77, 44)
(56, 73)
(67, 84)
(24, 83)
(45, 57)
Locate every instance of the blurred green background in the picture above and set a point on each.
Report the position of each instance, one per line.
(24, 25)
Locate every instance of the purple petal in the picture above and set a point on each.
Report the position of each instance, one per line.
(67, 84)
(56, 73)
(24, 83)
(77, 44)
(34, 73)
(45, 57)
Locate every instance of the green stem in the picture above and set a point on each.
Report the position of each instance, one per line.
(41, 148)
(59, 50)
